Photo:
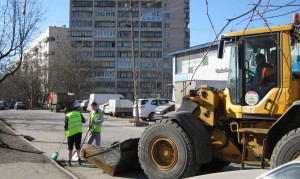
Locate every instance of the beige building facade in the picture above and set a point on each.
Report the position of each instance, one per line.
(42, 49)
(102, 29)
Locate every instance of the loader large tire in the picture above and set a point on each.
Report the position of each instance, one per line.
(287, 149)
(167, 151)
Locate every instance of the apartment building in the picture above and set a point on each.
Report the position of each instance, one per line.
(102, 29)
(42, 49)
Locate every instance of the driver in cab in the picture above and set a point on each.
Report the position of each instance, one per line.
(264, 71)
(264, 77)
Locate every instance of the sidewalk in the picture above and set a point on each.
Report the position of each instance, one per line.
(18, 159)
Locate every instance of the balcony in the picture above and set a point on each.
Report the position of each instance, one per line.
(48, 39)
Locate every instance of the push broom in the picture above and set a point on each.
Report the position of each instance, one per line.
(55, 155)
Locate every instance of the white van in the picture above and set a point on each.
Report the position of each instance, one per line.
(102, 98)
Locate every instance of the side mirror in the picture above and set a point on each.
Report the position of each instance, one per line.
(221, 48)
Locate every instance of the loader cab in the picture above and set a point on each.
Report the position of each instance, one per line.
(252, 73)
(259, 77)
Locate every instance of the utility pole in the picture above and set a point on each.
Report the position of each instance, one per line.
(136, 118)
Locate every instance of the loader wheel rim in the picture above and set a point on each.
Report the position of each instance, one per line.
(163, 153)
(297, 155)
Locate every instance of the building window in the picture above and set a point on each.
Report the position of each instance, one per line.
(156, 25)
(166, 35)
(78, 33)
(167, 25)
(167, 15)
(148, 34)
(151, 5)
(82, 13)
(105, 33)
(105, 14)
(104, 44)
(82, 23)
(105, 4)
(128, 34)
(86, 53)
(124, 84)
(105, 84)
(150, 54)
(104, 64)
(104, 74)
(167, 5)
(104, 54)
(127, 14)
(124, 74)
(82, 4)
(124, 64)
(150, 16)
(150, 44)
(167, 45)
(205, 61)
(105, 24)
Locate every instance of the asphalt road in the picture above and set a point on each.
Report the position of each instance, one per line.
(47, 132)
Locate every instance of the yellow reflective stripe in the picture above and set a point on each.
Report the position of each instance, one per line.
(74, 121)
(78, 125)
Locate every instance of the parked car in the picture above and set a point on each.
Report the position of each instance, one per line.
(19, 105)
(290, 170)
(4, 103)
(2, 106)
(103, 107)
(84, 104)
(77, 104)
(146, 107)
(164, 109)
(11, 104)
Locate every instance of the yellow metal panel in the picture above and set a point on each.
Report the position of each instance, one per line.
(209, 103)
(231, 110)
(260, 30)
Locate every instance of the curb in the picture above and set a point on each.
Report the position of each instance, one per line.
(52, 161)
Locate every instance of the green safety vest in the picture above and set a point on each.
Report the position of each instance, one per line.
(74, 123)
(93, 116)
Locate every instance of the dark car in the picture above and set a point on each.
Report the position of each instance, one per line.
(2, 106)
(19, 105)
(163, 109)
(11, 104)
(4, 103)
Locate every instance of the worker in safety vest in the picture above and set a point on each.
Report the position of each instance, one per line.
(73, 128)
(95, 121)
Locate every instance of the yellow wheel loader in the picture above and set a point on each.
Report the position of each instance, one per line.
(254, 121)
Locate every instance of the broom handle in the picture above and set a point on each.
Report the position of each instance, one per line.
(61, 143)
(82, 141)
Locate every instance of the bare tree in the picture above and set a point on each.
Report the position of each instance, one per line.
(18, 21)
(71, 71)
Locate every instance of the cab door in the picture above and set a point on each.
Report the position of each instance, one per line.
(259, 63)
